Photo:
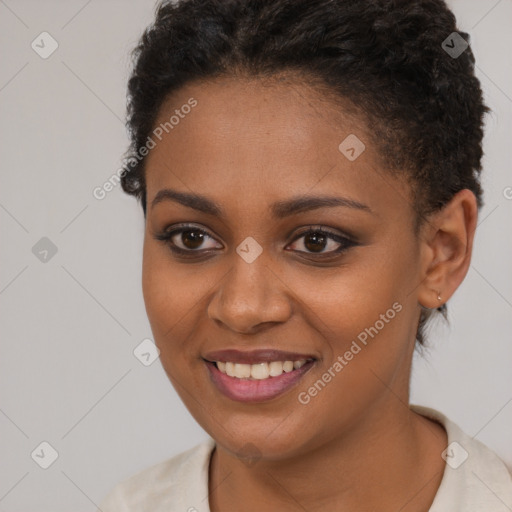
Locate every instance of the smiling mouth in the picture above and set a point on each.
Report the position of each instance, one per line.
(256, 376)
(259, 371)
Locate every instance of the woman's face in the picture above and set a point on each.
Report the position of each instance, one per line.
(251, 281)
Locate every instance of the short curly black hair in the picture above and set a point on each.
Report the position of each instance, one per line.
(388, 59)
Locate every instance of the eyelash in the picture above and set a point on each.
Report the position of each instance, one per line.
(167, 235)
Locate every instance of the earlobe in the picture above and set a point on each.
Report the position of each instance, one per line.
(447, 247)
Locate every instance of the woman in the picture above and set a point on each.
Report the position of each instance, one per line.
(309, 177)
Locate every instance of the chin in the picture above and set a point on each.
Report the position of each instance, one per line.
(258, 437)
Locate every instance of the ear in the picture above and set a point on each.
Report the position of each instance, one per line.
(446, 247)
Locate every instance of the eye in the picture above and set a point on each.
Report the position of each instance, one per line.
(186, 239)
(318, 240)
(191, 241)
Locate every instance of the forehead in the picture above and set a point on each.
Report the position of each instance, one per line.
(246, 137)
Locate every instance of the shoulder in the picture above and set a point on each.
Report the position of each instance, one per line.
(178, 483)
(475, 478)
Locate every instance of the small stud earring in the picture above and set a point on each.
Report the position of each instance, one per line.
(439, 296)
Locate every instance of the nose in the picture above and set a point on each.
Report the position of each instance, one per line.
(249, 298)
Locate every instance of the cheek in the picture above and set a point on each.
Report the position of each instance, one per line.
(167, 287)
(156, 287)
(366, 315)
(366, 356)
(167, 296)
(175, 297)
(351, 299)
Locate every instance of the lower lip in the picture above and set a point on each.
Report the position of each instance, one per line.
(255, 390)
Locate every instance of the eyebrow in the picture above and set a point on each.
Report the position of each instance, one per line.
(279, 209)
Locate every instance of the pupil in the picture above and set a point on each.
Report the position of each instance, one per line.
(195, 238)
(315, 238)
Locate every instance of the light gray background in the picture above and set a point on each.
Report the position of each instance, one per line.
(68, 375)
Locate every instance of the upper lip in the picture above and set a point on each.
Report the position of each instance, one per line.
(254, 356)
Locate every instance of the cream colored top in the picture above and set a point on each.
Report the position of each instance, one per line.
(474, 480)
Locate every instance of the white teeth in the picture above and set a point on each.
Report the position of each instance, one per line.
(259, 371)
(230, 369)
(242, 371)
(275, 368)
(288, 366)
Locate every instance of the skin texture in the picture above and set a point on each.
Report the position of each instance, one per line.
(356, 445)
